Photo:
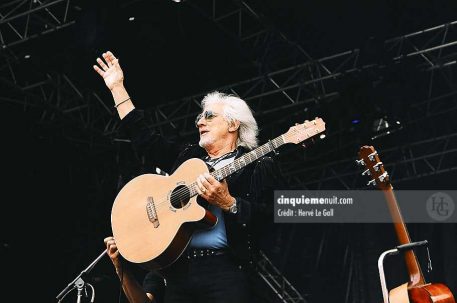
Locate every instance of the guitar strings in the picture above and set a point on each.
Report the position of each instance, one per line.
(181, 194)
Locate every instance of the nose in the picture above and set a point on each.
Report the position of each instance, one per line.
(201, 122)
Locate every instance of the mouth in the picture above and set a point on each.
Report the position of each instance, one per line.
(203, 132)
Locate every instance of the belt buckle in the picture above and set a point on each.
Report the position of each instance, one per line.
(196, 253)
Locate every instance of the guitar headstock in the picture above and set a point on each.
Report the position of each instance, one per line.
(369, 158)
(300, 132)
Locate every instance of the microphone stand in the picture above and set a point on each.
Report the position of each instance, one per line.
(79, 282)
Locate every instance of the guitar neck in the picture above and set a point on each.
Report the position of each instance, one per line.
(296, 134)
(412, 264)
(241, 162)
(247, 158)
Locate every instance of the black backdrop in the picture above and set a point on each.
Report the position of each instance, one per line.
(58, 195)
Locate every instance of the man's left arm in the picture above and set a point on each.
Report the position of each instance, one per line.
(258, 203)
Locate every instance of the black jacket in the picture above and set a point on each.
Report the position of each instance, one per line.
(252, 186)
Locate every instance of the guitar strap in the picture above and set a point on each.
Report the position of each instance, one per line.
(238, 153)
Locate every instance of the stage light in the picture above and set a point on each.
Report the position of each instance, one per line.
(380, 124)
(131, 18)
(27, 57)
(322, 136)
(385, 126)
(355, 121)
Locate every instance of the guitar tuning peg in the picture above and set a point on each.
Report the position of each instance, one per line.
(383, 177)
(377, 165)
(366, 172)
(360, 162)
(371, 182)
(371, 156)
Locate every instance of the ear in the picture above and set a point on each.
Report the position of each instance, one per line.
(234, 125)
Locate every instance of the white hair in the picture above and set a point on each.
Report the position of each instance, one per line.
(236, 109)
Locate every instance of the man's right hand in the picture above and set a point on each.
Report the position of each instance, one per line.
(110, 70)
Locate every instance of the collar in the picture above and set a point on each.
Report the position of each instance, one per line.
(224, 156)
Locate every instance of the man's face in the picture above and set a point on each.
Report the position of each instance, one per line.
(212, 126)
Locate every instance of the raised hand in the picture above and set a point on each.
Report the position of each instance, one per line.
(110, 70)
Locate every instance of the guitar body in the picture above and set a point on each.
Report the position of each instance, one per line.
(427, 293)
(153, 216)
(432, 292)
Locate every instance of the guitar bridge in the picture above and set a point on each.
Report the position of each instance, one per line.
(152, 213)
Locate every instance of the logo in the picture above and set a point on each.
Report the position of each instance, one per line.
(440, 206)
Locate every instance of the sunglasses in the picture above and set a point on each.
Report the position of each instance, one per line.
(208, 115)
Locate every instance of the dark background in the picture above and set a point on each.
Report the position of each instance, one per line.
(63, 162)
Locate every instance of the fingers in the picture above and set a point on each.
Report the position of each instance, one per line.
(206, 183)
(108, 59)
(201, 189)
(108, 239)
(102, 64)
(210, 179)
(99, 71)
(110, 245)
(113, 60)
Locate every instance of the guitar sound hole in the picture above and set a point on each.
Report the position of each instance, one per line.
(180, 196)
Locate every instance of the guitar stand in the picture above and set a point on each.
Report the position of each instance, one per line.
(79, 283)
(392, 252)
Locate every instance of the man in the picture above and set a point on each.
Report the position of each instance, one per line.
(218, 264)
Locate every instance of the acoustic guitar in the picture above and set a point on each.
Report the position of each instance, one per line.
(153, 216)
(418, 291)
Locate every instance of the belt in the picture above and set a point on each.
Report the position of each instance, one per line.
(196, 253)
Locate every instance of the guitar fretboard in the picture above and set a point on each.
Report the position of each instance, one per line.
(242, 161)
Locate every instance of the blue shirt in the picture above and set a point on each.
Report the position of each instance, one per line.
(216, 237)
